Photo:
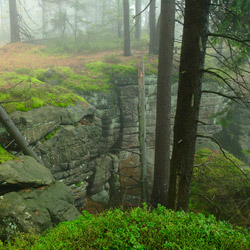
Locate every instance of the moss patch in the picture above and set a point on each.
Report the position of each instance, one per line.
(5, 156)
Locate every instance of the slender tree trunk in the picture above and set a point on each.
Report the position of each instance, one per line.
(15, 133)
(43, 17)
(2, 22)
(126, 21)
(152, 28)
(137, 20)
(103, 12)
(14, 25)
(163, 110)
(142, 130)
(188, 102)
(119, 19)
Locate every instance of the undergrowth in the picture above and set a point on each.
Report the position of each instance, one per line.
(220, 188)
(139, 228)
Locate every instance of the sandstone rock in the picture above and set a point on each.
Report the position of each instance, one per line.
(36, 209)
(25, 172)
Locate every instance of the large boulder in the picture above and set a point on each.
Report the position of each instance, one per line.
(31, 199)
(24, 172)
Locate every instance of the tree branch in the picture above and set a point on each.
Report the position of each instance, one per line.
(234, 38)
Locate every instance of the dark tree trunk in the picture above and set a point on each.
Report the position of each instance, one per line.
(126, 21)
(188, 102)
(137, 20)
(152, 29)
(163, 111)
(14, 25)
(119, 19)
(15, 133)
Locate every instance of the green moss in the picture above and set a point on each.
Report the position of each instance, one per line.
(25, 92)
(26, 89)
(5, 156)
(50, 135)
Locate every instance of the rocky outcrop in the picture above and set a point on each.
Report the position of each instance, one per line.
(30, 199)
(94, 148)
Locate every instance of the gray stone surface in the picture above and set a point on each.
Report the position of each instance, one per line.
(36, 209)
(25, 172)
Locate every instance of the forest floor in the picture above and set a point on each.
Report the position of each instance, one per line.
(20, 55)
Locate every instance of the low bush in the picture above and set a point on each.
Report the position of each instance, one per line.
(139, 228)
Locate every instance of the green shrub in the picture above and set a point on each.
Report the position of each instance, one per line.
(139, 228)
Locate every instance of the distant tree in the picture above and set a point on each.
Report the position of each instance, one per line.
(137, 19)
(163, 110)
(126, 21)
(14, 24)
(188, 101)
(152, 28)
(119, 19)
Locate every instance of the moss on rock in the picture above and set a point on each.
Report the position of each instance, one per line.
(5, 155)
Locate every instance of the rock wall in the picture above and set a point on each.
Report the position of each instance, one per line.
(94, 149)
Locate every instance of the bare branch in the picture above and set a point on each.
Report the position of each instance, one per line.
(224, 153)
(234, 38)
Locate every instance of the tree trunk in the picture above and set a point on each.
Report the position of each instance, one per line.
(119, 19)
(126, 21)
(103, 12)
(142, 130)
(188, 102)
(44, 17)
(163, 110)
(137, 20)
(152, 29)
(15, 133)
(14, 25)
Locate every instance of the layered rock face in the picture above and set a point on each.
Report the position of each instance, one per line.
(94, 148)
(30, 199)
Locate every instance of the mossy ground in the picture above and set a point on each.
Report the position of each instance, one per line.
(25, 89)
(28, 86)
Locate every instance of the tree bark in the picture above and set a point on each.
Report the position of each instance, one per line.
(163, 110)
(152, 29)
(15, 133)
(14, 25)
(126, 21)
(188, 102)
(137, 20)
